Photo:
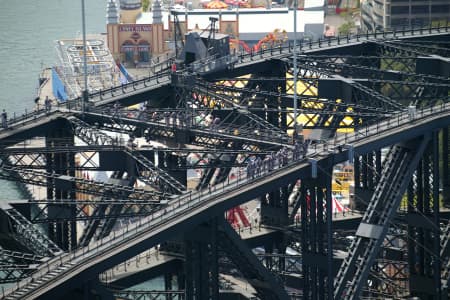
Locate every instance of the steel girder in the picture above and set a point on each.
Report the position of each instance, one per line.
(64, 234)
(16, 265)
(401, 86)
(185, 133)
(78, 184)
(242, 120)
(426, 260)
(105, 225)
(30, 236)
(397, 172)
(212, 157)
(157, 177)
(266, 285)
(130, 209)
(149, 295)
(430, 48)
(317, 248)
(315, 105)
(381, 67)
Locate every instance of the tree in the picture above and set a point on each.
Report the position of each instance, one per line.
(349, 24)
(145, 5)
(346, 28)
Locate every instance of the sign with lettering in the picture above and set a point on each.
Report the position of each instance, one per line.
(135, 28)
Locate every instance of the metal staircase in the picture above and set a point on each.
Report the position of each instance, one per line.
(30, 236)
(265, 130)
(101, 211)
(18, 294)
(16, 265)
(164, 181)
(396, 174)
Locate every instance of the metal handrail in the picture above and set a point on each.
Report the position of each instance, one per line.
(178, 207)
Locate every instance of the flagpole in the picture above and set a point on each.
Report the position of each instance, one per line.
(85, 92)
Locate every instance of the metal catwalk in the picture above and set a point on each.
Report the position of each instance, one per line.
(377, 102)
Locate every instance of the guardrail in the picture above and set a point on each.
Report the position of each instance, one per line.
(339, 40)
(242, 57)
(188, 121)
(180, 206)
(163, 75)
(405, 117)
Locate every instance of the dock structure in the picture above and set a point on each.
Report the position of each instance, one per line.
(378, 102)
(67, 76)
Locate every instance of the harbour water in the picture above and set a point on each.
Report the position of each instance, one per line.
(27, 39)
(29, 30)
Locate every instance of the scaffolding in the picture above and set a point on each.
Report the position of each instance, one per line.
(102, 72)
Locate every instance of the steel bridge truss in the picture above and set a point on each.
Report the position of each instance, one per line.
(401, 248)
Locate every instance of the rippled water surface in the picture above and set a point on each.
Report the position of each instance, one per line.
(29, 29)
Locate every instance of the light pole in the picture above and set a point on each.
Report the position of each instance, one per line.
(85, 92)
(295, 69)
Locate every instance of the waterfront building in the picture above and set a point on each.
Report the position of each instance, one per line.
(135, 36)
(131, 40)
(396, 14)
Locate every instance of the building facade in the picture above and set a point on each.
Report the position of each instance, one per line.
(135, 37)
(397, 14)
(128, 41)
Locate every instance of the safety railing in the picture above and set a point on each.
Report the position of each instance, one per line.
(188, 121)
(405, 117)
(179, 207)
(337, 41)
(163, 75)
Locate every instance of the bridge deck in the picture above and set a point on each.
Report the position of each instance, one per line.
(189, 210)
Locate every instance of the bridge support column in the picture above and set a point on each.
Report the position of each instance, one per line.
(274, 86)
(172, 163)
(423, 226)
(445, 167)
(316, 214)
(168, 285)
(64, 233)
(201, 265)
(367, 172)
(274, 206)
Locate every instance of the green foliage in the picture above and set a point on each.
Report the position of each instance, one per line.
(145, 5)
(346, 28)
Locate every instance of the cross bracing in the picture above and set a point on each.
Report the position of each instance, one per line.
(28, 157)
(401, 129)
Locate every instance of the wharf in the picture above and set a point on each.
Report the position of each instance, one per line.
(45, 89)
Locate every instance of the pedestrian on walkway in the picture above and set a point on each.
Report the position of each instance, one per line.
(249, 169)
(4, 119)
(216, 123)
(48, 104)
(116, 109)
(141, 115)
(173, 116)
(167, 118)
(258, 165)
(280, 158)
(266, 163)
(305, 147)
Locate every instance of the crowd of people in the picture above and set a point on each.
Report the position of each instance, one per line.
(256, 166)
